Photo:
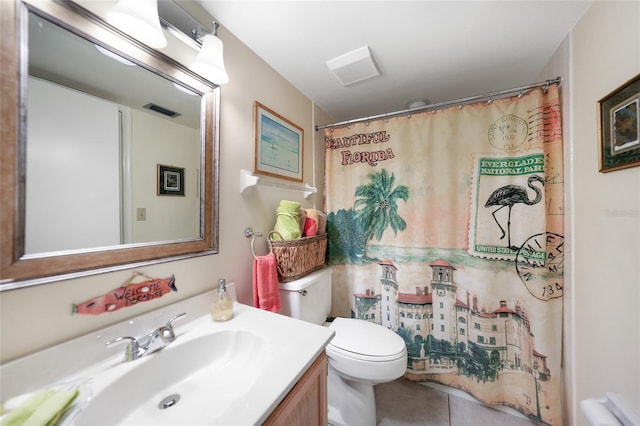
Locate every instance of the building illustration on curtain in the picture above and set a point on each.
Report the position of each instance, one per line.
(446, 335)
(446, 227)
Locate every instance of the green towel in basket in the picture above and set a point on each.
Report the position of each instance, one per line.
(287, 221)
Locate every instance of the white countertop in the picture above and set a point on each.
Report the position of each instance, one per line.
(292, 347)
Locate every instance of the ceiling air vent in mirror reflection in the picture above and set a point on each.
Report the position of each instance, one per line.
(161, 110)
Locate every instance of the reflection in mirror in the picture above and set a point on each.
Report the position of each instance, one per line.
(87, 190)
(91, 182)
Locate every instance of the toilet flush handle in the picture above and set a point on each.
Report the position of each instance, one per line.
(303, 292)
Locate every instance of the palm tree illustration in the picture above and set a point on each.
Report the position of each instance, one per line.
(379, 206)
(507, 196)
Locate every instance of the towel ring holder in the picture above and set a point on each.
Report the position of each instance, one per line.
(250, 233)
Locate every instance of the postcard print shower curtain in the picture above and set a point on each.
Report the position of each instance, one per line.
(447, 227)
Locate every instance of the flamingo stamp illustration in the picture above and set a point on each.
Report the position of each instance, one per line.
(507, 196)
(507, 205)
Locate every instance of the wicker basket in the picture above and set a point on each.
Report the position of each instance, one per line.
(299, 257)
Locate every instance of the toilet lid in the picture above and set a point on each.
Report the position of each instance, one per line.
(361, 337)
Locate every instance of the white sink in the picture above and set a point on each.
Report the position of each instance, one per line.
(195, 382)
(230, 373)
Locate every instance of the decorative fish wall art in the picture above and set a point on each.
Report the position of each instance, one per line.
(128, 294)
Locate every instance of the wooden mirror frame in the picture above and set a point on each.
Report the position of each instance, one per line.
(19, 270)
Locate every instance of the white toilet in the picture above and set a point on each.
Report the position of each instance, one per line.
(361, 354)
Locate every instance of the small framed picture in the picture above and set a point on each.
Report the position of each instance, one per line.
(170, 180)
(619, 127)
(278, 145)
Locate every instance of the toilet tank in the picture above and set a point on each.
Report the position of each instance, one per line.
(308, 298)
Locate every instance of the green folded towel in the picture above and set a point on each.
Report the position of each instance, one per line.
(43, 408)
(287, 220)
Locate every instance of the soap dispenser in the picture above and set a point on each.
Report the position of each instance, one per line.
(222, 308)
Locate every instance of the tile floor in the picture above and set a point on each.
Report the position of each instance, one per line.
(405, 403)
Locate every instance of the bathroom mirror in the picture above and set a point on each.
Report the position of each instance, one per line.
(109, 149)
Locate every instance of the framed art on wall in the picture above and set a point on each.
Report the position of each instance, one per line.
(619, 127)
(170, 180)
(278, 145)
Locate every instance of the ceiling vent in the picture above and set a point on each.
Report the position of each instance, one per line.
(161, 110)
(354, 66)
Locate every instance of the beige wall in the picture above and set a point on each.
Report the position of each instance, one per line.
(37, 317)
(603, 344)
(155, 141)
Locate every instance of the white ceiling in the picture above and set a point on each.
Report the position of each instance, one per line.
(440, 50)
(62, 57)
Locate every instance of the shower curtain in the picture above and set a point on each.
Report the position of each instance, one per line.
(446, 227)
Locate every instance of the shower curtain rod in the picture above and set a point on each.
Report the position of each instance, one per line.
(439, 105)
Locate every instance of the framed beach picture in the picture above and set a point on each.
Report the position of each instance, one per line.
(278, 145)
(619, 127)
(170, 180)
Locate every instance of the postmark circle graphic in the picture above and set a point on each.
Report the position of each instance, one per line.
(540, 265)
(508, 132)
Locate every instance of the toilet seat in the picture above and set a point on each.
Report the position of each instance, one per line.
(365, 341)
(361, 357)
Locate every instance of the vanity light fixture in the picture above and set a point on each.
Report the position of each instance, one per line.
(139, 19)
(180, 23)
(184, 89)
(210, 61)
(114, 56)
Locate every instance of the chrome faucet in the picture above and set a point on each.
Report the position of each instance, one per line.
(150, 343)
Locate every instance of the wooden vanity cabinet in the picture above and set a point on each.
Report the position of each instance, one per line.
(306, 403)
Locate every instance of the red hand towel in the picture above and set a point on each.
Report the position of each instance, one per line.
(310, 227)
(266, 294)
(311, 222)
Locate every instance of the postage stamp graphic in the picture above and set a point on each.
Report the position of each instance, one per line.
(508, 203)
